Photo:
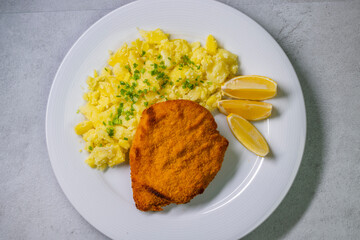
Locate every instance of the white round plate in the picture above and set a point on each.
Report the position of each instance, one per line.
(246, 190)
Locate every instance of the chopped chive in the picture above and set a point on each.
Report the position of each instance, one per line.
(160, 75)
(104, 123)
(135, 65)
(143, 70)
(146, 104)
(125, 138)
(153, 72)
(143, 53)
(110, 131)
(90, 148)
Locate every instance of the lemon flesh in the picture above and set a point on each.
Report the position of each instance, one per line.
(248, 135)
(250, 110)
(251, 87)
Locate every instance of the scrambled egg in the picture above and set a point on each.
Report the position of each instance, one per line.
(148, 71)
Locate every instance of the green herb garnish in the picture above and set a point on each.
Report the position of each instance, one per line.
(147, 82)
(128, 68)
(110, 131)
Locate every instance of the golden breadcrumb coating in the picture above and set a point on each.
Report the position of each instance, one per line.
(176, 153)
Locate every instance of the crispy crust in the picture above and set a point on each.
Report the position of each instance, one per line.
(176, 153)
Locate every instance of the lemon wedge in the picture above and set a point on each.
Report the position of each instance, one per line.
(250, 87)
(250, 110)
(248, 135)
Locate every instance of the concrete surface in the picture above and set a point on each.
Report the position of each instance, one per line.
(322, 40)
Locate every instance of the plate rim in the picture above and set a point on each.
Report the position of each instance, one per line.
(302, 105)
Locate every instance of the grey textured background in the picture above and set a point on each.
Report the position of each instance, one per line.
(322, 40)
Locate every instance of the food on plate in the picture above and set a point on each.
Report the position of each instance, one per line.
(147, 71)
(250, 110)
(248, 135)
(175, 154)
(250, 87)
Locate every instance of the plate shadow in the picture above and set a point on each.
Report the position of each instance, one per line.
(301, 194)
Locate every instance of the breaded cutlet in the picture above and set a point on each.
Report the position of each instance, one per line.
(175, 154)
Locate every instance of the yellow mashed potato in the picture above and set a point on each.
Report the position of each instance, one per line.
(148, 71)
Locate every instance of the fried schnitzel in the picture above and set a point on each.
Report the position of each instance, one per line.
(176, 153)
